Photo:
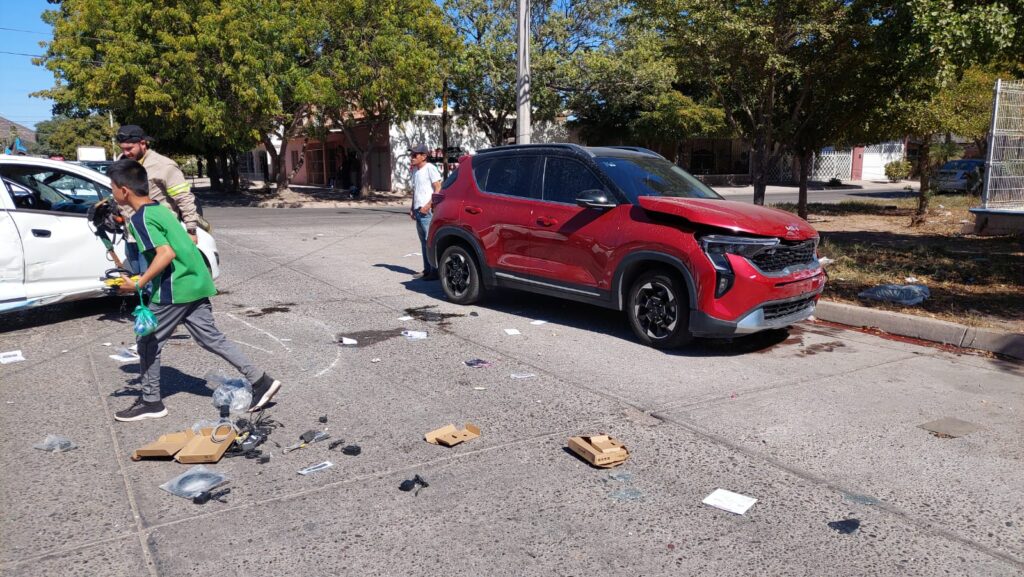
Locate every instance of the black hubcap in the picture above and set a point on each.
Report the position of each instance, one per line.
(456, 274)
(656, 310)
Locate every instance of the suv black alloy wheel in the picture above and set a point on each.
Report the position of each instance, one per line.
(460, 276)
(658, 310)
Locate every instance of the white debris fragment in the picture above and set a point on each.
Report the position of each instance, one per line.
(348, 341)
(11, 357)
(405, 318)
(412, 254)
(825, 261)
(522, 375)
(538, 322)
(414, 335)
(512, 332)
(729, 501)
(374, 360)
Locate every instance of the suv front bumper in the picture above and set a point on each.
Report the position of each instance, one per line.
(766, 316)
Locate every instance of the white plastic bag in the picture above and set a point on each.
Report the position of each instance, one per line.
(232, 393)
(55, 444)
(194, 481)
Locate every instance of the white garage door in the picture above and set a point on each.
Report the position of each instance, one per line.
(877, 156)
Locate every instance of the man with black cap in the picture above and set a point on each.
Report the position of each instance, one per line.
(426, 181)
(167, 185)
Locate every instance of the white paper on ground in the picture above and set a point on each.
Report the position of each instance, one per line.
(479, 388)
(405, 318)
(522, 375)
(11, 357)
(374, 360)
(415, 335)
(412, 254)
(538, 322)
(107, 344)
(729, 501)
(123, 357)
(348, 341)
(511, 332)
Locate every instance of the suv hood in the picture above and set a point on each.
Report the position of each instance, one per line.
(732, 215)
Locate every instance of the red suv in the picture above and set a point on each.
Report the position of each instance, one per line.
(626, 229)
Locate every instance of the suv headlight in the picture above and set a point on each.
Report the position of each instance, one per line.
(718, 246)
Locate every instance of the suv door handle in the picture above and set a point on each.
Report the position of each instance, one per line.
(41, 232)
(545, 221)
(473, 210)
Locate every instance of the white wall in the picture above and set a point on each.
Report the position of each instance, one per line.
(425, 128)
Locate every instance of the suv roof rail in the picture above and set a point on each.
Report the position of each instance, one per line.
(637, 149)
(506, 147)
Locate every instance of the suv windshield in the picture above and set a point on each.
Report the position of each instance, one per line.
(650, 176)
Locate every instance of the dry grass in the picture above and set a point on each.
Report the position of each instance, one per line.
(973, 280)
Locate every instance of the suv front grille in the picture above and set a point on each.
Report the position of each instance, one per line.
(772, 312)
(785, 255)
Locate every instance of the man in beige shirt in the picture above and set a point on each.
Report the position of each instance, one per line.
(167, 185)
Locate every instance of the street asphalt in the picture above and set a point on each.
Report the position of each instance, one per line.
(819, 424)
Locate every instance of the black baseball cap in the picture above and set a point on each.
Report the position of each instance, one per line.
(133, 133)
(419, 149)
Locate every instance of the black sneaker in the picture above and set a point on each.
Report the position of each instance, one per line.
(142, 410)
(263, 390)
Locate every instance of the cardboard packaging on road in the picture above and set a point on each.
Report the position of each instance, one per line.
(187, 447)
(599, 450)
(449, 436)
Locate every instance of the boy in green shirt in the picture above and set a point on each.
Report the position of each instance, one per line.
(182, 288)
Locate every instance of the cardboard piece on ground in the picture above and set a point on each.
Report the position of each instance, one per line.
(166, 446)
(950, 427)
(449, 436)
(599, 450)
(203, 449)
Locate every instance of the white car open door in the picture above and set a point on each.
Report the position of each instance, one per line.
(12, 261)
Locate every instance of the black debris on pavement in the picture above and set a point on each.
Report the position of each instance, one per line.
(418, 483)
(477, 363)
(428, 314)
(846, 526)
(323, 419)
(205, 496)
(352, 450)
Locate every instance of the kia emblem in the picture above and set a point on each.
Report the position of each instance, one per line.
(792, 229)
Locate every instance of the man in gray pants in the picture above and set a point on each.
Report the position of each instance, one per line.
(182, 288)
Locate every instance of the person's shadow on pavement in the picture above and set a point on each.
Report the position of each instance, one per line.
(172, 381)
(396, 268)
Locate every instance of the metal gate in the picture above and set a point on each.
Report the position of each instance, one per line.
(1004, 166)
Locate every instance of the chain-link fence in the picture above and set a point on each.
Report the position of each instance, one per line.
(1004, 169)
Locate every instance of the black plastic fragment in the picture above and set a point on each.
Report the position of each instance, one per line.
(205, 496)
(308, 436)
(352, 450)
(323, 419)
(416, 482)
(846, 526)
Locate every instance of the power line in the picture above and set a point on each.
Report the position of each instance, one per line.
(26, 31)
(97, 62)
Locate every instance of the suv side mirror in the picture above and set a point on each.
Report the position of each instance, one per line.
(595, 199)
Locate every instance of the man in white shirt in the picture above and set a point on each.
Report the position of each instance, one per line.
(426, 180)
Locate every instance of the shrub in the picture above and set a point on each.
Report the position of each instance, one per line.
(835, 182)
(897, 170)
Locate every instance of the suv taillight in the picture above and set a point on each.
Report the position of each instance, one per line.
(717, 247)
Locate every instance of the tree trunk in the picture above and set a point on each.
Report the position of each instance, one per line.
(276, 159)
(924, 168)
(286, 177)
(214, 172)
(199, 166)
(806, 157)
(759, 169)
(236, 180)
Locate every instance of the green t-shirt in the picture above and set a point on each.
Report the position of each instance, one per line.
(186, 279)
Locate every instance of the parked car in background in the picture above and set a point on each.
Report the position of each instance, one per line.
(625, 229)
(959, 175)
(48, 251)
(100, 166)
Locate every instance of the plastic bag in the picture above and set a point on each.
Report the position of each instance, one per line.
(908, 295)
(193, 482)
(201, 424)
(145, 320)
(55, 444)
(234, 394)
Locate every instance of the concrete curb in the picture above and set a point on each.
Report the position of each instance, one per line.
(993, 341)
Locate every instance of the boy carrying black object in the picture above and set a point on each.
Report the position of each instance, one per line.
(182, 288)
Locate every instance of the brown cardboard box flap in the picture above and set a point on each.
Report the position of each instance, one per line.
(166, 446)
(599, 450)
(449, 436)
(207, 447)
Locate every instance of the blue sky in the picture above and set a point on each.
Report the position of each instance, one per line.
(20, 77)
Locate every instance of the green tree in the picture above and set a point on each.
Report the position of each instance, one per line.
(63, 135)
(563, 34)
(383, 60)
(626, 95)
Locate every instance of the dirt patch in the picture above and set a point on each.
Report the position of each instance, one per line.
(973, 280)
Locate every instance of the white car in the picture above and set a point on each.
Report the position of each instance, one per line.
(48, 251)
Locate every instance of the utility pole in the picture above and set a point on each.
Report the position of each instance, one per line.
(444, 127)
(113, 143)
(523, 130)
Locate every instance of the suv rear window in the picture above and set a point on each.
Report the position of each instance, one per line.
(509, 175)
(649, 176)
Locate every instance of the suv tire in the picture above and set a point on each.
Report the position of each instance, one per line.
(658, 310)
(460, 275)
